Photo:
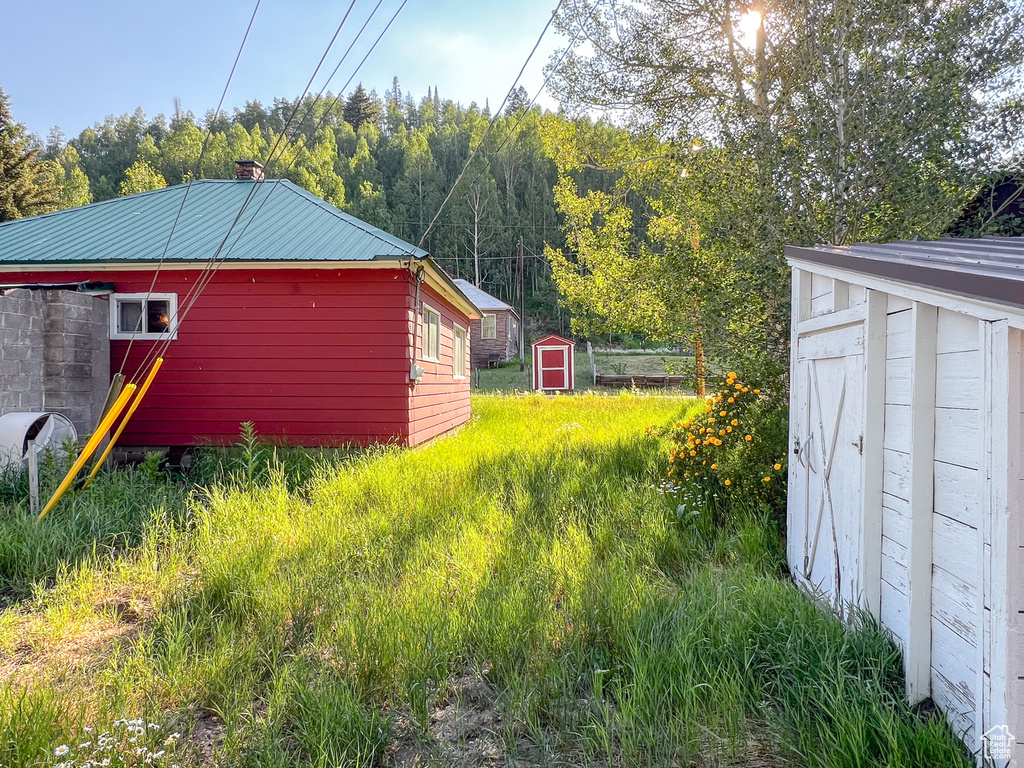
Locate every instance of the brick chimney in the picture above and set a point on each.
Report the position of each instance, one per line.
(248, 170)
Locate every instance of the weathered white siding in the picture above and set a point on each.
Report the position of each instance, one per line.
(821, 294)
(956, 542)
(896, 469)
(1015, 553)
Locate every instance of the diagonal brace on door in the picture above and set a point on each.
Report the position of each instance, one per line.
(826, 462)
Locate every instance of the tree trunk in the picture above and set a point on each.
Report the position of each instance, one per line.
(698, 361)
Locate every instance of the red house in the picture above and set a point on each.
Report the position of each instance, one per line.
(317, 327)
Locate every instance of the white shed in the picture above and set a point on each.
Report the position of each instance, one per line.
(905, 479)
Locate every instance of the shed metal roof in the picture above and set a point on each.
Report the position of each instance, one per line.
(481, 298)
(283, 222)
(987, 268)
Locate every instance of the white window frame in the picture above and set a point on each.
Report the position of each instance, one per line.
(431, 315)
(459, 361)
(494, 327)
(172, 310)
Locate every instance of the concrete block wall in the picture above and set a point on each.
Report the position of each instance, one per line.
(54, 354)
(21, 351)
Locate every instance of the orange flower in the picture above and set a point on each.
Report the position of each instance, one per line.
(728, 482)
(693, 453)
(721, 432)
(778, 467)
(735, 422)
(766, 479)
(748, 438)
(757, 391)
(714, 466)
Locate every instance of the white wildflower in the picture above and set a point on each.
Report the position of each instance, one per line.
(62, 750)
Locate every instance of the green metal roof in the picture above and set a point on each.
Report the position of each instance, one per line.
(282, 222)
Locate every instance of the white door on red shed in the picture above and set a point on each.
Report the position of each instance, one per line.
(828, 461)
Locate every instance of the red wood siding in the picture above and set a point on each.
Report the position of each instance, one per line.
(312, 356)
(440, 401)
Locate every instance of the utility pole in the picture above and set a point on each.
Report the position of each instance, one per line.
(522, 305)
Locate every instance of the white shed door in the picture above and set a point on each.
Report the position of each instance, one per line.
(828, 443)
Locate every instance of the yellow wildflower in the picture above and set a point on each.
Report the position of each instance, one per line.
(728, 482)
(748, 438)
(778, 467)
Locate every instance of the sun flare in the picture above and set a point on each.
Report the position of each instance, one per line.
(746, 29)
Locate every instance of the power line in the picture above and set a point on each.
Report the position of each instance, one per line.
(159, 349)
(334, 103)
(490, 125)
(199, 162)
(213, 265)
(511, 131)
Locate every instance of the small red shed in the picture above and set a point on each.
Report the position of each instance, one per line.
(316, 326)
(553, 369)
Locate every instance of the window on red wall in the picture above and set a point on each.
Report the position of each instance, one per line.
(431, 334)
(459, 351)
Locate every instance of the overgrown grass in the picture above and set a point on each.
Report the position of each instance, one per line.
(88, 527)
(537, 550)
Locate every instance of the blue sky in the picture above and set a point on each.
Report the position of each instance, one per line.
(73, 62)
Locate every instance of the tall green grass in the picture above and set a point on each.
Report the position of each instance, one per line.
(87, 527)
(537, 550)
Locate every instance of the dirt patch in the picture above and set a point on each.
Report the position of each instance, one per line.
(465, 731)
(48, 651)
(207, 737)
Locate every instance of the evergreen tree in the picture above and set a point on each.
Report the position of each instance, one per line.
(24, 188)
(361, 108)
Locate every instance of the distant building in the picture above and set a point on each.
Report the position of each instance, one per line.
(494, 338)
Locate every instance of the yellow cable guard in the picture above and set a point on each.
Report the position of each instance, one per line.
(124, 422)
(90, 447)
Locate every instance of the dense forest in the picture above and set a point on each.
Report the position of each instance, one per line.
(390, 161)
